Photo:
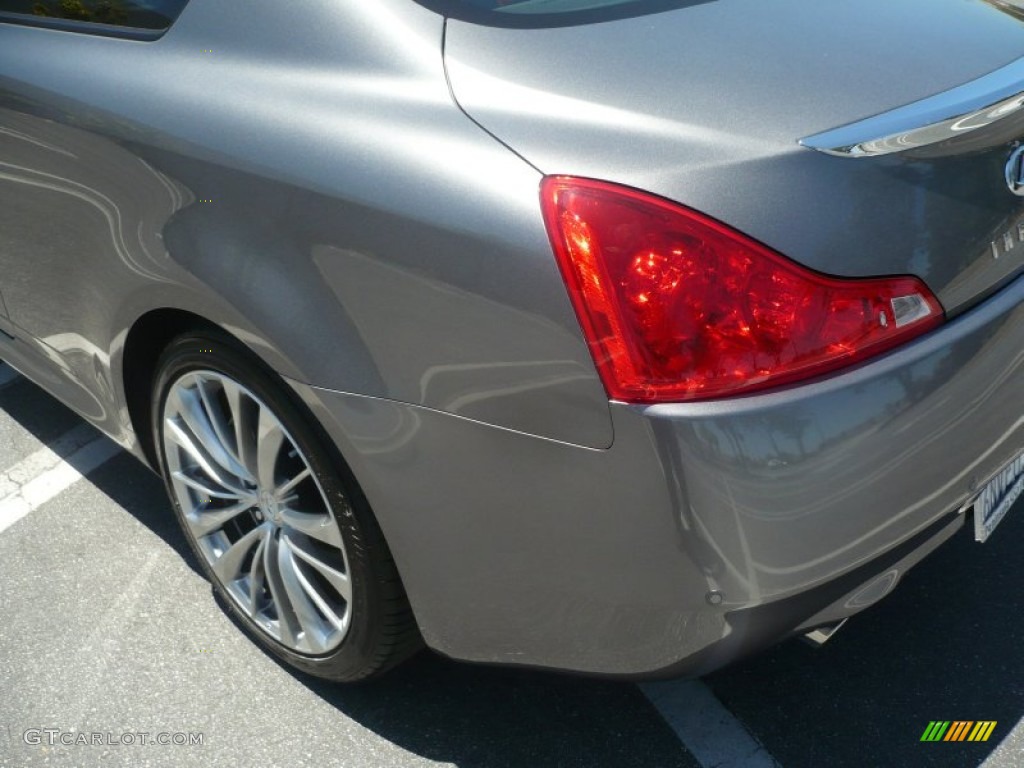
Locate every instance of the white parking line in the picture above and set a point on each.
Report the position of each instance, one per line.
(45, 458)
(39, 477)
(707, 729)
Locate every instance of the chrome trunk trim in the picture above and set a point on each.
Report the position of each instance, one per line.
(969, 107)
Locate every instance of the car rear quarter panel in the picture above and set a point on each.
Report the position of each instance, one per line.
(528, 551)
(316, 192)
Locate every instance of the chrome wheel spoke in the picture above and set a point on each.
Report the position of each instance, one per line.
(228, 566)
(203, 522)
(178, 433)
(222, 426)
(332, 575)
(270, 440)
(192, 412)
(257, 577)
(205, 489)
(243, 411)
(318, 526)
(301, 597)
(288, 486)
(287, 625)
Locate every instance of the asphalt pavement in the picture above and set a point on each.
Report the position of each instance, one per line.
(114, 652)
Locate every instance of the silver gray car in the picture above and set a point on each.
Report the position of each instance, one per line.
(615, 336)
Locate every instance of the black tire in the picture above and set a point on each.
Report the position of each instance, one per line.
(381, 630)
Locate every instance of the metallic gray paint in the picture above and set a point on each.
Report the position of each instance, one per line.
(411, 188)
(387, 256)
(600, 561)
(714, 99)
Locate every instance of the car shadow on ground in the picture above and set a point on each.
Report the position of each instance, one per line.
(438, 709)
(126, 481)
(945, 645)
(479, 716)
(466, 715)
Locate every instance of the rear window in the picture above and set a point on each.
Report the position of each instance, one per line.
(550, 13)
(544, 6)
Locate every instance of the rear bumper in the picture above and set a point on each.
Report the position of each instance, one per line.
(705, 530)
(755, 628)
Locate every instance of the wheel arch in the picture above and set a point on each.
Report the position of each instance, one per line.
(143, 345)
(147, 325)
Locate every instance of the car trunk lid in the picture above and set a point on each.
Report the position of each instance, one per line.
(706, 104)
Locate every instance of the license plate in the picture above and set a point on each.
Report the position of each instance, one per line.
(997, 497)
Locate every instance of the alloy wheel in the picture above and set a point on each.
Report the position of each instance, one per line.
(256, 512)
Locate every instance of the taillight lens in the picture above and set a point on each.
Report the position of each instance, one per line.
(676, 306)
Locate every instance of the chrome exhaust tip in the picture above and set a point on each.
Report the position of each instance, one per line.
(820, 635)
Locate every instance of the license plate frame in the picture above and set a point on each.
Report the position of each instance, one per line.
(997, 497)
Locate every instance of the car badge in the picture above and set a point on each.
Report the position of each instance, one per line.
(1015, 171)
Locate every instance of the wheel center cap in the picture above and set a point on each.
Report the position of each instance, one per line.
(268, 505)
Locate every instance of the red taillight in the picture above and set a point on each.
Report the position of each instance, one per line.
(677, 306)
